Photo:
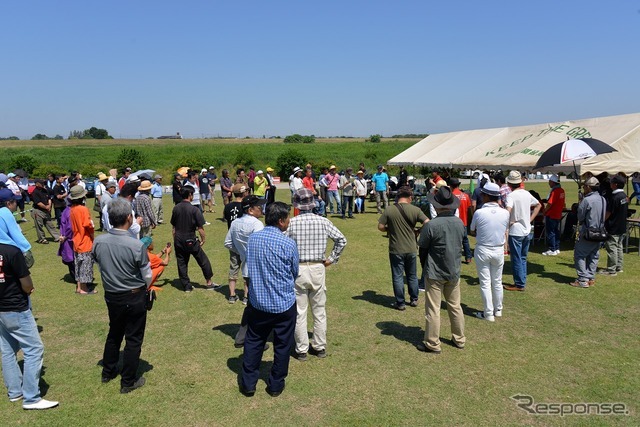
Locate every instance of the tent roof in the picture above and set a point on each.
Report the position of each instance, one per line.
(520, 147)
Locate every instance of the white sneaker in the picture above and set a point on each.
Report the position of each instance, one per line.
(15, 399)
(497, 313)
(40, 404)
(207, 223)
(481, 315)
(549, 252)
(556, 252)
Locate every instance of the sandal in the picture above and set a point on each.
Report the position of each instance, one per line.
(43, 242)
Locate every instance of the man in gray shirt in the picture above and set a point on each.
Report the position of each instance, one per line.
(442, 239)
(126, 274)
(591, 213)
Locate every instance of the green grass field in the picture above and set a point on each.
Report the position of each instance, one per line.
(555, 343)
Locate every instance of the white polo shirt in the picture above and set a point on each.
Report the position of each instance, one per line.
(490, 223)
(520, 202)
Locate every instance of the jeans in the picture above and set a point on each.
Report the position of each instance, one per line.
(18, 330)
(347, 205)
(260, 325)
(489, 263)
(404, 264)
(636, 192)
(553, 233)
(320, 207)
(586, 255)
(334, 196)
(465, 245)
(519, 249)
(127, 319)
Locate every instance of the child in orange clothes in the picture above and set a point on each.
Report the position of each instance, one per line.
(158, 262)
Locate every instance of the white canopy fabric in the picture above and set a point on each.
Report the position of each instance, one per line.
(520, 147)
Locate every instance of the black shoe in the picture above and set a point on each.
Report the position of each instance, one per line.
(273, 393)
(422, 347)
(188, 288)
(400, 307)
(107, 379)
(244, 391)
(302, 357)
(318, 353)
(139, 383)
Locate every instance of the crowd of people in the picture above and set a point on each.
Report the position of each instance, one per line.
(283, 260)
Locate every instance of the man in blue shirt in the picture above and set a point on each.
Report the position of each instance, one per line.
(380, 182)
(272, 259)
(156, 198)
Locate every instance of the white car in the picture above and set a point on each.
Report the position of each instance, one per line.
(471, 173)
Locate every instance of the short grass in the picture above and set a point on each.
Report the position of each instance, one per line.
(555, 343)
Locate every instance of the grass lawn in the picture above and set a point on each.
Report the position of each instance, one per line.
(555, 343)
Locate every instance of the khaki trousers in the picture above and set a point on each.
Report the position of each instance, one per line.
(311, 290)
(156, 204)
(434, 291)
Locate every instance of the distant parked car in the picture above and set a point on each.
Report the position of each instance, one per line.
(90, 186)
(471, 173)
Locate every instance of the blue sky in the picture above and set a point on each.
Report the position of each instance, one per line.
(356, 68)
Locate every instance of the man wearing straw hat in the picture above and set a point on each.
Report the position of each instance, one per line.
(144, 209)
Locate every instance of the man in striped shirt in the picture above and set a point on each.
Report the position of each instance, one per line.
(311, 232)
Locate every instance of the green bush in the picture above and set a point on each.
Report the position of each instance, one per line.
(375, 138)
(243, 158)
(130, 157)
(296, 138)
(46, 168)
(25, 162)
(287, 161)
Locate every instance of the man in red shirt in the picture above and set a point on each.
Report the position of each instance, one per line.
(123, 179)
(463, 214)
(309, 183)
(553, 215)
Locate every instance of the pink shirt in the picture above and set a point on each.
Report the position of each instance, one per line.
(332, 180)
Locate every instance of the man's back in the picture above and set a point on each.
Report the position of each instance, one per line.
(121, 259)
(402, 239)
(442, 239)
(311, 232)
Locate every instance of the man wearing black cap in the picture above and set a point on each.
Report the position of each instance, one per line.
(616, 225)
(41, 213)
(442, 239)
(399, 221)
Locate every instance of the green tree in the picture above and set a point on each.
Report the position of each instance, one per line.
(25, 162)
(375, 138)
(287, 161)
(39, 137)
(131, 158)
(95, 133)
(244, 157)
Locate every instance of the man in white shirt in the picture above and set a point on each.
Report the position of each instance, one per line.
(491, 224)
(523, 208)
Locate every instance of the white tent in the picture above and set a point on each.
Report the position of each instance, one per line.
(520, 147)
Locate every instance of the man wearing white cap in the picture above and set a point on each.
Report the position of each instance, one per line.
(553, 215)
(205, 191)
(260, 184)
(491, 224)
(211, 175)
(523, 209)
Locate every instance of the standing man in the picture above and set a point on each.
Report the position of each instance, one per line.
(523, 209)
(238, 235)
(144, 209)
(309, 183)
(399, 221)
(212, 177)
(463, 214)
(271, 187)
(491, 223)
(273, 268)
(18, 331)
(360, 185)
(126, 274)
(41, 213)
(442, 239)
(156, 198)
(310, 232)
(225, 187)
(260, 184)
(233, 211)
(553, 215)
(123, 179)
(380, 182)
(186, 219)
(12, 184)
(205, 190)
(591, 214)
(59, 197)
(616, 225)
(346, 185)
(332, 179)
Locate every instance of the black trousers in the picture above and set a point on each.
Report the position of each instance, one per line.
(127, 318)
(183, 253)
(260, 325)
